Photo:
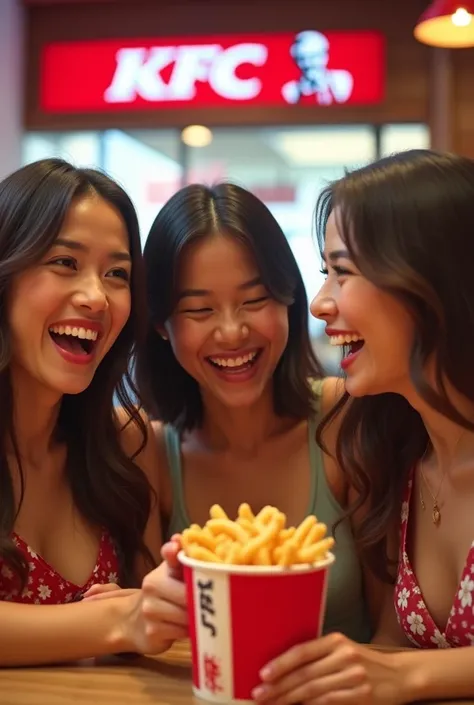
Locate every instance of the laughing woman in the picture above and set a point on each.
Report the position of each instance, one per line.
(76, 507)
(397, 239)
(230, 371)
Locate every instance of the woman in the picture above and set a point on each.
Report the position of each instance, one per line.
(76, 508)
(398, 246)
(229, 370)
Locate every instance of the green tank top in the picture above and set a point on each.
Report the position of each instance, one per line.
(346, 609)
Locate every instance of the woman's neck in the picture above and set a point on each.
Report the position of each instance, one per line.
(241, 430)
(35, 417)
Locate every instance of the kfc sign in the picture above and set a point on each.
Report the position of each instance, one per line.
(308, 68)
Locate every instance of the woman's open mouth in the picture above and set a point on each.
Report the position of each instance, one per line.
(235, 367)
(352, 344)
(76, 344)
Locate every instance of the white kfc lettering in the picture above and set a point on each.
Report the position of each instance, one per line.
(138, 72)
(223, 79)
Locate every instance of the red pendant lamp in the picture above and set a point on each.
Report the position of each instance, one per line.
(448, 24)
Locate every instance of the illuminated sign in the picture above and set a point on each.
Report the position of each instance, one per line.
(307, 68)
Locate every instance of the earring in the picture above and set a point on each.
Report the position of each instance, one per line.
(165, 337)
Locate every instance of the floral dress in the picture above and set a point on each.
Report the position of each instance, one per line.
(44, 584)
(412, 612)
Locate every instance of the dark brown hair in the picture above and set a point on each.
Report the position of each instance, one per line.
(198, 211)
(408, 223)
(108, 488)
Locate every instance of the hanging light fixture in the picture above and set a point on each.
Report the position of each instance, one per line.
(448, 24)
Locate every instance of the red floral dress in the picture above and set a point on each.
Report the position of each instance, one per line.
(412, 612)
(44, 584)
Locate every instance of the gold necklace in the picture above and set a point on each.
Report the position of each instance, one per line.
(435, 512)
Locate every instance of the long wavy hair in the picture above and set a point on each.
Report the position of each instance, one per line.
(195, 212)
(407, 221)
(108, 488)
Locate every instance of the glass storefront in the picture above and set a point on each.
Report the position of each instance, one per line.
(285, 166)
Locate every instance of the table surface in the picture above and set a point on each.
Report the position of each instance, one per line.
(164, 680)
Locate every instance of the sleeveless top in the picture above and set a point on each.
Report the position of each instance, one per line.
(45, 586)
(413, 614)
(346, 609)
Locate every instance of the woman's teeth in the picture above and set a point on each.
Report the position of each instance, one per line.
(345, 339)
(82, 333)
(233, 361)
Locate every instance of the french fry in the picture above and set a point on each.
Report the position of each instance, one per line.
(316, 552)
(289, 552)
(246, 513)
(265, 515)
(316, 533)
(216, 512)
(202, 554)
(250, 526)
(303, 529)
(201, 537)
(263, 556)
(262, 539)
(226, 526)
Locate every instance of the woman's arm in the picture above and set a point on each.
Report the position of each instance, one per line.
(431, 674)
(143, 621)
(40, 634)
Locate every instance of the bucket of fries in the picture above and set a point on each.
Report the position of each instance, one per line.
(255, 588)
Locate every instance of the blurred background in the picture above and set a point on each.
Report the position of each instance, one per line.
(278, 97)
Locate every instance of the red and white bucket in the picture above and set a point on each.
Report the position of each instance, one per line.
(242, 617)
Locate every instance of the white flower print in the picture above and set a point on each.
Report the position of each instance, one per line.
(403, 596)
(416, 623)
(470, 637)
(465, 591)
(416, 590)
(440, 640)
(44, 592)
(464, 624)
(113, 578)
(32, 553)
(421, 605)
(404, 514)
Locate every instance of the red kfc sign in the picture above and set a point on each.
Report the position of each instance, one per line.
(308, 68)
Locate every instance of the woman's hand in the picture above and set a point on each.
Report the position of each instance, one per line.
(160, 615)
(101, 590)
(329, 670)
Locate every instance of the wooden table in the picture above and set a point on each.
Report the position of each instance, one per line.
(164, 680)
